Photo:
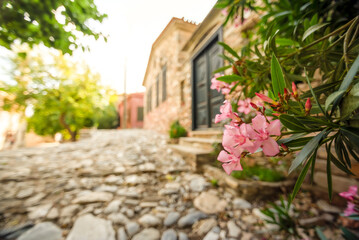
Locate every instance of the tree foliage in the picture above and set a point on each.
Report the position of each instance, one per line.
(64, 95)
(56, 24)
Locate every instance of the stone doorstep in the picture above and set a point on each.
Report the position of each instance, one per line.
(194, 156)
(198, 142)
(248, 189)
(206, 134)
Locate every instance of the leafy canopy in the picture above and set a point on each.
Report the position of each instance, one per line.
(56, 24)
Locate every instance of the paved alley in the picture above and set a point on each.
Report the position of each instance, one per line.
(121, 185)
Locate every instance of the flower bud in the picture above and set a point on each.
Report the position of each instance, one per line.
(308, 106)
(285, 148)
(255, 106)
(294, 91)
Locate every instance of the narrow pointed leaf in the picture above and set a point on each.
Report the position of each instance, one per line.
(312, 29)
(230, 78)
(308, 150)
(329, 173)
(350, 75)
(333, 97)
(291, 122)
(222, 69)
(300, 179)
(229, 49)
(277, 76)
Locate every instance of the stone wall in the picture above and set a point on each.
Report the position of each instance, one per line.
(166, 53)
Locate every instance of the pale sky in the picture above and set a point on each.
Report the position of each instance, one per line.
(132, 27)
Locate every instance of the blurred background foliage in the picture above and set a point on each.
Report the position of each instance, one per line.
(57, 93)
(56, 24)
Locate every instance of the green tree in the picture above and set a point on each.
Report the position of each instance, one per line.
(63, 95)
(53, 23)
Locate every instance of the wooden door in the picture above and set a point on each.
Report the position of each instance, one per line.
(206, 102)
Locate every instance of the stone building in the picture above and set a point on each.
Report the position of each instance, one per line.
(179, 72)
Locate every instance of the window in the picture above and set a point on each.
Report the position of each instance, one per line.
(182, 93)
(157, 90)
(140, 114)
(149, 99)
(164, 83)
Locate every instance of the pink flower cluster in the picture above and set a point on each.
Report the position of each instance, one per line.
(221, 86)
(239, 137)
(350, 195)
(244, 106)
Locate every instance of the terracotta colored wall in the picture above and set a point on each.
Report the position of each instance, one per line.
(134, 101)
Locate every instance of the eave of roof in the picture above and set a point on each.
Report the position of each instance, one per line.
(160, 37)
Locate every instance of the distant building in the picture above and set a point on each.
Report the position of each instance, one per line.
(134, 112)
(180, 69)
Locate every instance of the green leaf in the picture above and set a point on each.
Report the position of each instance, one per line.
(354, 217)
(291, 122)
(320, 234)
(338, 164)
(230, 78)
(350, 103)
(300, 179)
(227, 58)
(348, 235)
(353, 135)
(332, 97)
(350, 75)
(271, 95)
(312, 29)
(222, 69)
(229, 49)
(298, 142)
(308, 149)
(278, 82)
(329, 174)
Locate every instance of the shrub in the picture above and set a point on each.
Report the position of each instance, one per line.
(259, 173)
(177, 130)
(107, 118)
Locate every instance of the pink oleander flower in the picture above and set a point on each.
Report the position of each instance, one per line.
(350, 210)
(216, 84)
(244, 106)
(224, 12)
(350, 194)
(230, 162)
(226, 90)
(226, 112)
(261, 130)
(236, 140)
(220, 86)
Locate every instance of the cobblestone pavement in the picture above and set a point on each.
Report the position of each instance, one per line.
(118, 185)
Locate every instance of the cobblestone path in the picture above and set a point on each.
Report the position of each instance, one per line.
(117, 185)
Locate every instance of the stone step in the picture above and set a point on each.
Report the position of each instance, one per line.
(194, 156)
(213, 133)
(197, 142)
